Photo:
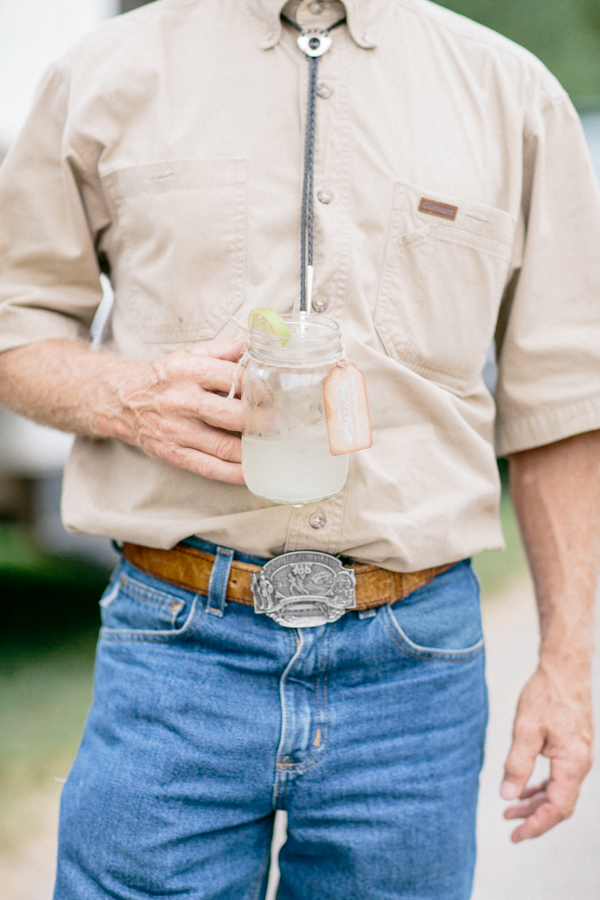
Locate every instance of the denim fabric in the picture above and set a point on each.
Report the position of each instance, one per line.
(207, 718)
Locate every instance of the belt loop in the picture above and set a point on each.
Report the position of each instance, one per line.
(219, 576)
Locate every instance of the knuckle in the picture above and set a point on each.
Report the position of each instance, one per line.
(563, 811)
(224, 447)
(525, 731)
(206, 467)
(516, 766)
(161, 368)
(202, 367)
(583, 759)
(172, 455)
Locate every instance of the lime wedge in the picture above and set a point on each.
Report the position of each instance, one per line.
(270, 322)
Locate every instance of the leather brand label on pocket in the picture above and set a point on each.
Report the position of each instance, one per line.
(436, 208)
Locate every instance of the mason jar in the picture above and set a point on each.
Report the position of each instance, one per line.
(285, 449)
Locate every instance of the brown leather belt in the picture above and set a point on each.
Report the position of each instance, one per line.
(188, 568)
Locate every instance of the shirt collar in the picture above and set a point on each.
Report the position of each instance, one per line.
(362, 18)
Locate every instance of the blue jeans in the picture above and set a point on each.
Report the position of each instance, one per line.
(207, 718)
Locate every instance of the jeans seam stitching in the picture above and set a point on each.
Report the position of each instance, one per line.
(315, 756)
(279, 768)
(159, 636)
(129, 588)
(431, 654)
(254, 895)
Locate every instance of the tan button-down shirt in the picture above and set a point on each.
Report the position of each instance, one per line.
(460, 204)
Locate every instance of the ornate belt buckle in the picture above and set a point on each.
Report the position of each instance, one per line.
(304, 589)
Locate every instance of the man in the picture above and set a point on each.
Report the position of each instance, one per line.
(453, 200)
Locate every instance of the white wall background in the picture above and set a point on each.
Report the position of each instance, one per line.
(33, 33)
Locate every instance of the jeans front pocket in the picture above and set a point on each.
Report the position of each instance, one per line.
(136, 606)
(441, 621)
(179, 236)
(442, 284)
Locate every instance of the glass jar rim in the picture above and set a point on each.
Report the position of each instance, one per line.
(314, 339)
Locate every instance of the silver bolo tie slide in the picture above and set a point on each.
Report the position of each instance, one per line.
(313, 44)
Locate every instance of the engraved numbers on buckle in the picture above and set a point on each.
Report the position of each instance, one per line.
(304, 589)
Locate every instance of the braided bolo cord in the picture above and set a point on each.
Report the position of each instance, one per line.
(309, 164)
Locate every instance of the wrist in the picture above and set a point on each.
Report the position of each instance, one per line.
(118, 381)
(567, 657)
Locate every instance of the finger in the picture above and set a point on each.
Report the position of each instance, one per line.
(169, 434)
(214, 441)
(527, 744)
(191, 403)
(542, 820)
(534, 789)
(566, 777)
(527, 808)
(184, 369)
(229, 349)
(220, 412)
(562, 791)
(203, 464)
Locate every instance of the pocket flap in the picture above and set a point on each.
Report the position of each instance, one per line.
(178, 175)
(450, 214)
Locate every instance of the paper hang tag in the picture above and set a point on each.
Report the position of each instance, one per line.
(347, 410)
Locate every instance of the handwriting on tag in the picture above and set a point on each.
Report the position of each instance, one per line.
(347, 410)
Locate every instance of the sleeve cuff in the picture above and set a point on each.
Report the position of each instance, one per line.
(546, 426)
(20, 326)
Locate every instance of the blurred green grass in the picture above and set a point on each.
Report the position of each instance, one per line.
(47, 659)
(496, 569)
(44, 698)
(49, 627)
(564, 34)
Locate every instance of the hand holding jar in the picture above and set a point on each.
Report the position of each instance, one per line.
(286, 455)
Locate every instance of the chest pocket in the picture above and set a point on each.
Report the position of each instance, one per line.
(179, 242)
(445, 268)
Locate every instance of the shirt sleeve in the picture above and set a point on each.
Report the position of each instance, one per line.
(548, 339)
(49, 273)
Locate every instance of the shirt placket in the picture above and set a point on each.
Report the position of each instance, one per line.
(318, 526)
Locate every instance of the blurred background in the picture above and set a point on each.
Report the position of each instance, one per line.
(50, 582)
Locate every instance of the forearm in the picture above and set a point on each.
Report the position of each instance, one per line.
(556, 494)
(66, 386)
(172, 408)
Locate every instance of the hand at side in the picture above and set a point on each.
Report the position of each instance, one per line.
(554, 719)
(556, 493)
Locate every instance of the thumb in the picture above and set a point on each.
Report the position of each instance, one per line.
(527, 744)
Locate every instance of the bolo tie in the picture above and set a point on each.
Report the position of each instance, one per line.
(313, 44)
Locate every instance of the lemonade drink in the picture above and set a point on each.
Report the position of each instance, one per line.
(292, 471)
(285, 447)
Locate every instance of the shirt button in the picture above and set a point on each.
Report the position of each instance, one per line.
(320, 304)
(317, 520)
(325, 197)
(324, 91)
(316, 7)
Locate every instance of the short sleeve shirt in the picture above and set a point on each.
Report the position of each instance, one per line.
(454, 203)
